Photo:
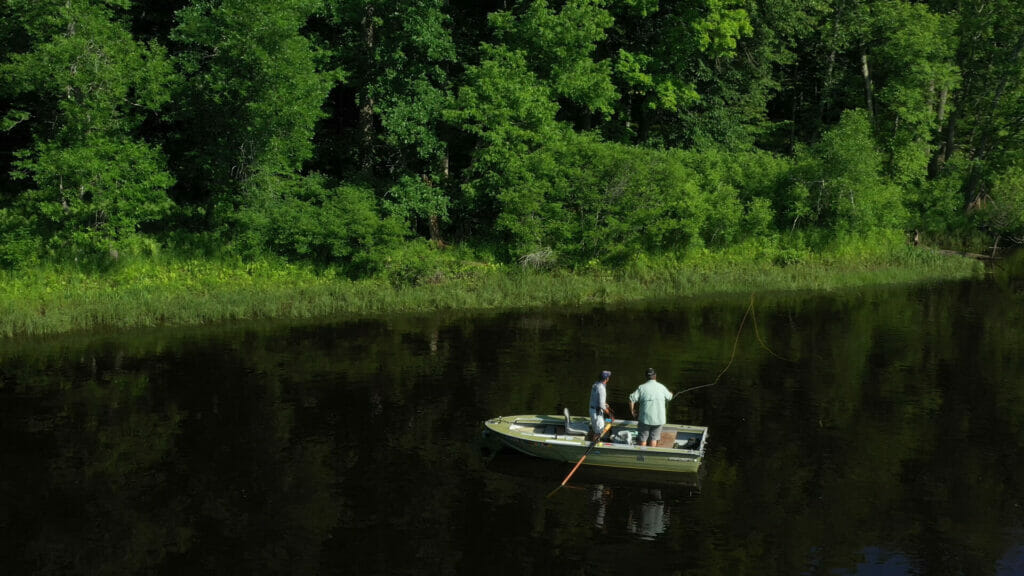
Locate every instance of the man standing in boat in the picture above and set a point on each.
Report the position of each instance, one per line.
(598, 404)
(649, 399)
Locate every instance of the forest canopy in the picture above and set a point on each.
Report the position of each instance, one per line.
(354, 134)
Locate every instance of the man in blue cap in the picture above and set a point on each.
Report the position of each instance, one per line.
(598, 404)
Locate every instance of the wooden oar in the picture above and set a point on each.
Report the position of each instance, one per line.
(585, 454)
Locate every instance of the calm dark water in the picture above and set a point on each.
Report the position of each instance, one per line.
(876, 432)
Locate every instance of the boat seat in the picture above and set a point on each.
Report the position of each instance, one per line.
(574, 429)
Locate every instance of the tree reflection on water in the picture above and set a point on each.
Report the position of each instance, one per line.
(895, 428)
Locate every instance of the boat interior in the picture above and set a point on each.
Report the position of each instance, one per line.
(624, 434)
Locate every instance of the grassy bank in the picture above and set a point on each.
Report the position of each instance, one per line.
(192, 292)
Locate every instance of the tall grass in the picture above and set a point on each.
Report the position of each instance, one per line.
(194, 292)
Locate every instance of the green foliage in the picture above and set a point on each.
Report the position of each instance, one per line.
(914, 63)
(839, 182)
(758, 218)
(415, 198)
(302, 218)
(511, 114)
(419, 263)
(585, 199)
(991, 61)
(1003, 211)
(560, 47)
(720, 29)
(576, 134)
(87, 87)
(936, 206)
(20, 245)
(412, 89)
(254, 91)
(115, 185)
(669, 66)
(503, 103)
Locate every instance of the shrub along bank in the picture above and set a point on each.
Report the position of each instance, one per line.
(189, 291)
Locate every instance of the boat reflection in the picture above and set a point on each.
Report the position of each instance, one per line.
(629, 502)
(648, 518)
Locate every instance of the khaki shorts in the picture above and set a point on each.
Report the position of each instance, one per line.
(648, 431)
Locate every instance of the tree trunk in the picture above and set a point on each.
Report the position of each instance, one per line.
(434, 223)
(939, 157)
(435, 232)
(940, 106)
(642, 119)
(868, 97)
(366, 108)
(824, 99)
(792, 116)
(947, 145)
(826, 88)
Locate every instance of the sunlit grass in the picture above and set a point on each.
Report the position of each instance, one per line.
(196, 292)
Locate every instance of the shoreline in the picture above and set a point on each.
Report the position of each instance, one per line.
(196, 292)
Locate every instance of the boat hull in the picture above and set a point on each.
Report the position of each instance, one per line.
(546, 436)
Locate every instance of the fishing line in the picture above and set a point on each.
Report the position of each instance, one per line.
(735, 343)
(753, 314)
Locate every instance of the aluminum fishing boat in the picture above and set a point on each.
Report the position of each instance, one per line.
(564, 438)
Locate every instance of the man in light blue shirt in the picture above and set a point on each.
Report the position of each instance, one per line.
(598, 403)
(649, 399)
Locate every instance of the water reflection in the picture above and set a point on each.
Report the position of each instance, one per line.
(627, 502)
(879, 562)
(113, 466)
(896, 426)
(648, 517)
(647, 514)
(1012, 563)
(599, 496)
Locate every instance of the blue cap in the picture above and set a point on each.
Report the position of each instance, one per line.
(605, 374)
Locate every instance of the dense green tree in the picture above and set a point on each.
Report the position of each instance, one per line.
(257, 86)
(511, 113)
(304, 218)
(1002, 211)
(914, 68)
(522, 127)
(985, 123)
(666, 57)
(82, 89)
(560, 47)
(401, 56)
(839, 185)
(254, 92)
